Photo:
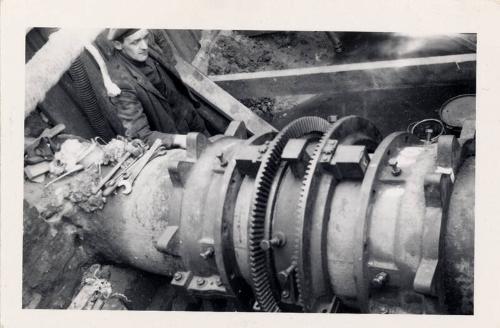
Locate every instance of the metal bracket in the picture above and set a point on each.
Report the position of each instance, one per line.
(182, 279)
(437, 188)
(349, 162)
(295, 153)
(165, 238)
(207, 286)
(178, 172)
(195, 144)
(287, 283)
(248, 159)
(448, 152)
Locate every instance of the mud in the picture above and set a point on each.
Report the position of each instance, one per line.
(238, 53)
(235, 52)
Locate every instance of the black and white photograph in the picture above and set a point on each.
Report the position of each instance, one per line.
(218, 163)
(233, 170)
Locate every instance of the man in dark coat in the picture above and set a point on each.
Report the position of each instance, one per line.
(154, 103)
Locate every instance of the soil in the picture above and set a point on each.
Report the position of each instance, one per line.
(236, 52)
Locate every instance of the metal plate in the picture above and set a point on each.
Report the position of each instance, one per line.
(457, 110)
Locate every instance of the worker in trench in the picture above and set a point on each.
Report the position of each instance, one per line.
(153, 103)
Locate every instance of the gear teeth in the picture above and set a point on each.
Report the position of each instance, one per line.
(260, 279)
(298, 257)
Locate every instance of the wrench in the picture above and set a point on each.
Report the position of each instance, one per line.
(111, 185)
(111, 173)
(128, 178)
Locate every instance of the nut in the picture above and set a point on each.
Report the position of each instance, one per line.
(277, 240)
(380, 280)
(178, 276)
(393, 163)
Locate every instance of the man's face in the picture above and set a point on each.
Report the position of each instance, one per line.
(135, 45)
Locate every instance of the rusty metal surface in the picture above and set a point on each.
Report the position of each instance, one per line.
(302, 233)
(317, 188)
(381, 195)
(340, 242)
(459, 243)
(224, 214)
(261, 281)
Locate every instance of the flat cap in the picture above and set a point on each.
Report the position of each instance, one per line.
(118, 34)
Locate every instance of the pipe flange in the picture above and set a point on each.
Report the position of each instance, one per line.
(380, 159)
(348, 130)
(261, 279)
(224, 214)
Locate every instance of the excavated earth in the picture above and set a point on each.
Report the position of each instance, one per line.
(244, 52)
(54, 261)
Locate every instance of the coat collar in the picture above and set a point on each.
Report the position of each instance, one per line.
(142, 80)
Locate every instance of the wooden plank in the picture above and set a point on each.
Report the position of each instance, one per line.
(186, 42)
(368, 76)
(220, 100)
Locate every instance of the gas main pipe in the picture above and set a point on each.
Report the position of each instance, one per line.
(288, 222)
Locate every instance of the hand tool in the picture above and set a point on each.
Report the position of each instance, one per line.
(111, 185)
(111, 173)
(127, 180)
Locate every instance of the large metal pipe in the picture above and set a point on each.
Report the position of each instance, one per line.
(297, 221)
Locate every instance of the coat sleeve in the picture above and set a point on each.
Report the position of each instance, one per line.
(196, 122)
(134, 121)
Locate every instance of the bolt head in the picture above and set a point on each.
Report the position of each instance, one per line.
(332, 119)
(200, 281)
(265, 244)
(218, 282)
(393, 162)
(177, 276)
(396, 172)
(285, 294)
(380, 279)
(209, 252)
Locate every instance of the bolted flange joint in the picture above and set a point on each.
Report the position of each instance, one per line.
(278, 240)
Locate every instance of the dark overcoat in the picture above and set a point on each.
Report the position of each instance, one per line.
(143, 110)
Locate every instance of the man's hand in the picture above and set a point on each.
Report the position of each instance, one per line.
(167, 140)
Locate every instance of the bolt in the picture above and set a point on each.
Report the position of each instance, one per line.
(285, 274)
(222, 160)
(218, 282)
(209, 252)
(332, 119)
(380, 280)
(200, 281)
(262, 149)
(178, 276)
(428, 135)
(393, 163)
(278, 240)
(285, 293)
